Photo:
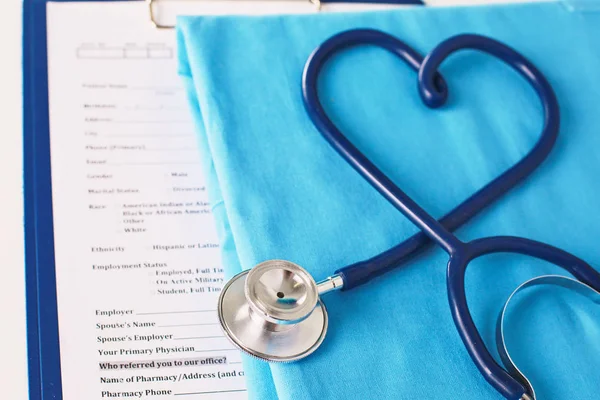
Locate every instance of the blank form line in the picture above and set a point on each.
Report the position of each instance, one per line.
(133, 121)
(213, 392)
(175, 312)
(235, 362)
(133, 163)
(181, 149)
(149, 108)
(209, 351)
(182, 325)
(149, 135)
(174, 88)
(199, 337)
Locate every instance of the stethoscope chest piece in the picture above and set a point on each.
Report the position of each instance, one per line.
(273, 312)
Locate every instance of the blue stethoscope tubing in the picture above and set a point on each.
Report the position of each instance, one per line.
(434, 92)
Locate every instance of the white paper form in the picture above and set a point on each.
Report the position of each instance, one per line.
(137, 260)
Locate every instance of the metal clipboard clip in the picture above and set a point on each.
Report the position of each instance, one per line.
(317, 4)
(152, 5)
(152, 15)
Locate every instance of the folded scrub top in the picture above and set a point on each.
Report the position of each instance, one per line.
(278, 190)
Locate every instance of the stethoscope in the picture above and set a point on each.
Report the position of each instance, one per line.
(274, 311)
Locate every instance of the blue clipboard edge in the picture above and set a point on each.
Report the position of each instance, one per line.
(43, 348)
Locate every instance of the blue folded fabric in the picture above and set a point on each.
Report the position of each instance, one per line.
(279, 191)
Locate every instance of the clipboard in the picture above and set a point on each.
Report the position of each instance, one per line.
(43, 346)
(154, 19)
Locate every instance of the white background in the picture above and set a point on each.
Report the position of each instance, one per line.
(13, 357)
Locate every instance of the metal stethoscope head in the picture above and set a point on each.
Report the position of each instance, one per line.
(274, 311)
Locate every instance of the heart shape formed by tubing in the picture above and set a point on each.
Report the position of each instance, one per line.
(434, 92)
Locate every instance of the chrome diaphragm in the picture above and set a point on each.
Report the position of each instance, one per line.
(274, 311)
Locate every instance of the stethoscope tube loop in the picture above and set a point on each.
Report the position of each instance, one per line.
(433, 91)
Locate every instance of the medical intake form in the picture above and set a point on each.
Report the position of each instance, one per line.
(137, 261)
